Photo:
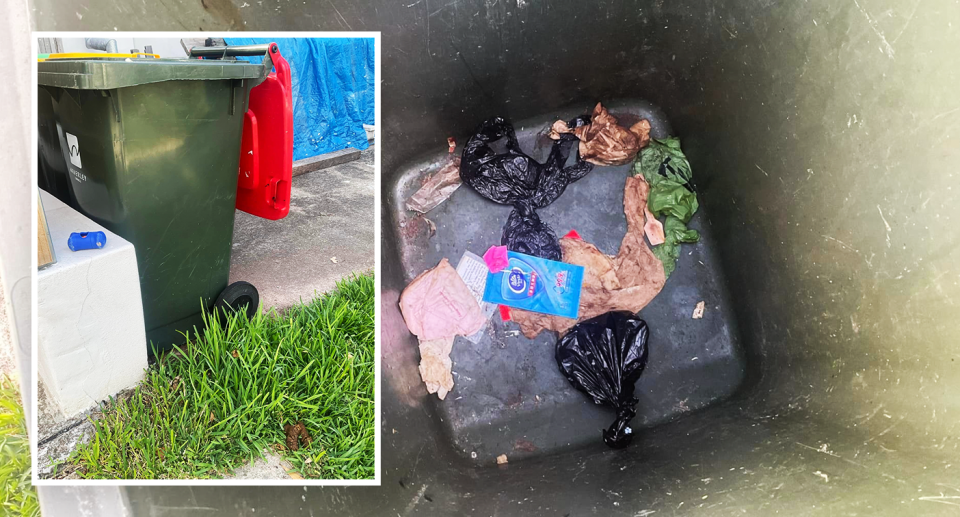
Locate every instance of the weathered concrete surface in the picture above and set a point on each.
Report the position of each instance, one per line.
(271, 466)
(88, 358)
(58, 436)
(8, 354)
(328, 234)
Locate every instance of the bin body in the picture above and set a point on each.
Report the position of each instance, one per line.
(52, 169)
(150, 150)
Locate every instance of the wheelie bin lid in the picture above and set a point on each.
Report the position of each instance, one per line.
(111, 73)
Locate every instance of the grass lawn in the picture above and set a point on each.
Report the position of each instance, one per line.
(17, 496)
(216, 404)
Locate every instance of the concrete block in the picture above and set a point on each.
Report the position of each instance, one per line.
(90, 333)
(325, 160)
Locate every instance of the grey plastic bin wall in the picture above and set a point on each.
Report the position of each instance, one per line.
(825, 138)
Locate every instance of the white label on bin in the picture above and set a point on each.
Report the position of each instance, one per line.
(74, 150)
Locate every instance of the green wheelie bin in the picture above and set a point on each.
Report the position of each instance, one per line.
(151, 150)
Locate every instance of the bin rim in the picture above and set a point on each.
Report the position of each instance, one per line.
(112, 73)
(93, 55)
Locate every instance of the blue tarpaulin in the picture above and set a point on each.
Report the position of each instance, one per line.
(333, 90)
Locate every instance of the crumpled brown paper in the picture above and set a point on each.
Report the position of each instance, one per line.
(436, 366)
(603, 141)
(628, 281)
(653, 228)
(437, 306)
(438, 187)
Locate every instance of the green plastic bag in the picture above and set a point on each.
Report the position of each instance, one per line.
(664, 154)
(668, 172)
(672, 198)
(675, 232)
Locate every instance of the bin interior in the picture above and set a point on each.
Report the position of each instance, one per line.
(824, 140)
(509, 394)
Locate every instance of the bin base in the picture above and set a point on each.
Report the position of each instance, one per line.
(163, 338)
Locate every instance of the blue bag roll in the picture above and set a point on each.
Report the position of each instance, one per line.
(86, 241)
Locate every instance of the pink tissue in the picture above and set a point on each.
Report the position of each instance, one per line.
(496, 258)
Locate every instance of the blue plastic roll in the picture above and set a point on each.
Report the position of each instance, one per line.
(87, 241)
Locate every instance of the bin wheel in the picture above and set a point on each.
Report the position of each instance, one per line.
(237, 296)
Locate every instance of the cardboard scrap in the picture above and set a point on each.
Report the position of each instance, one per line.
(438, 187)
(698, 310)
(436, 366)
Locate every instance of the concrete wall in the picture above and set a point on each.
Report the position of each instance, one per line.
(90, 333)
(18, 190)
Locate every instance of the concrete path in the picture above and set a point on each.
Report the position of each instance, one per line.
(328, 234)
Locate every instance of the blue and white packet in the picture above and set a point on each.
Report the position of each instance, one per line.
(536, 284)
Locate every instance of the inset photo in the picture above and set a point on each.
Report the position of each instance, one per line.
(206, 257)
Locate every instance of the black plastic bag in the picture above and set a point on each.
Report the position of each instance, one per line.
(604, 357)
(513, 178)
(526, 233)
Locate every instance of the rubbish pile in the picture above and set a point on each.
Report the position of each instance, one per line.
(564, 285)
(626, 282)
